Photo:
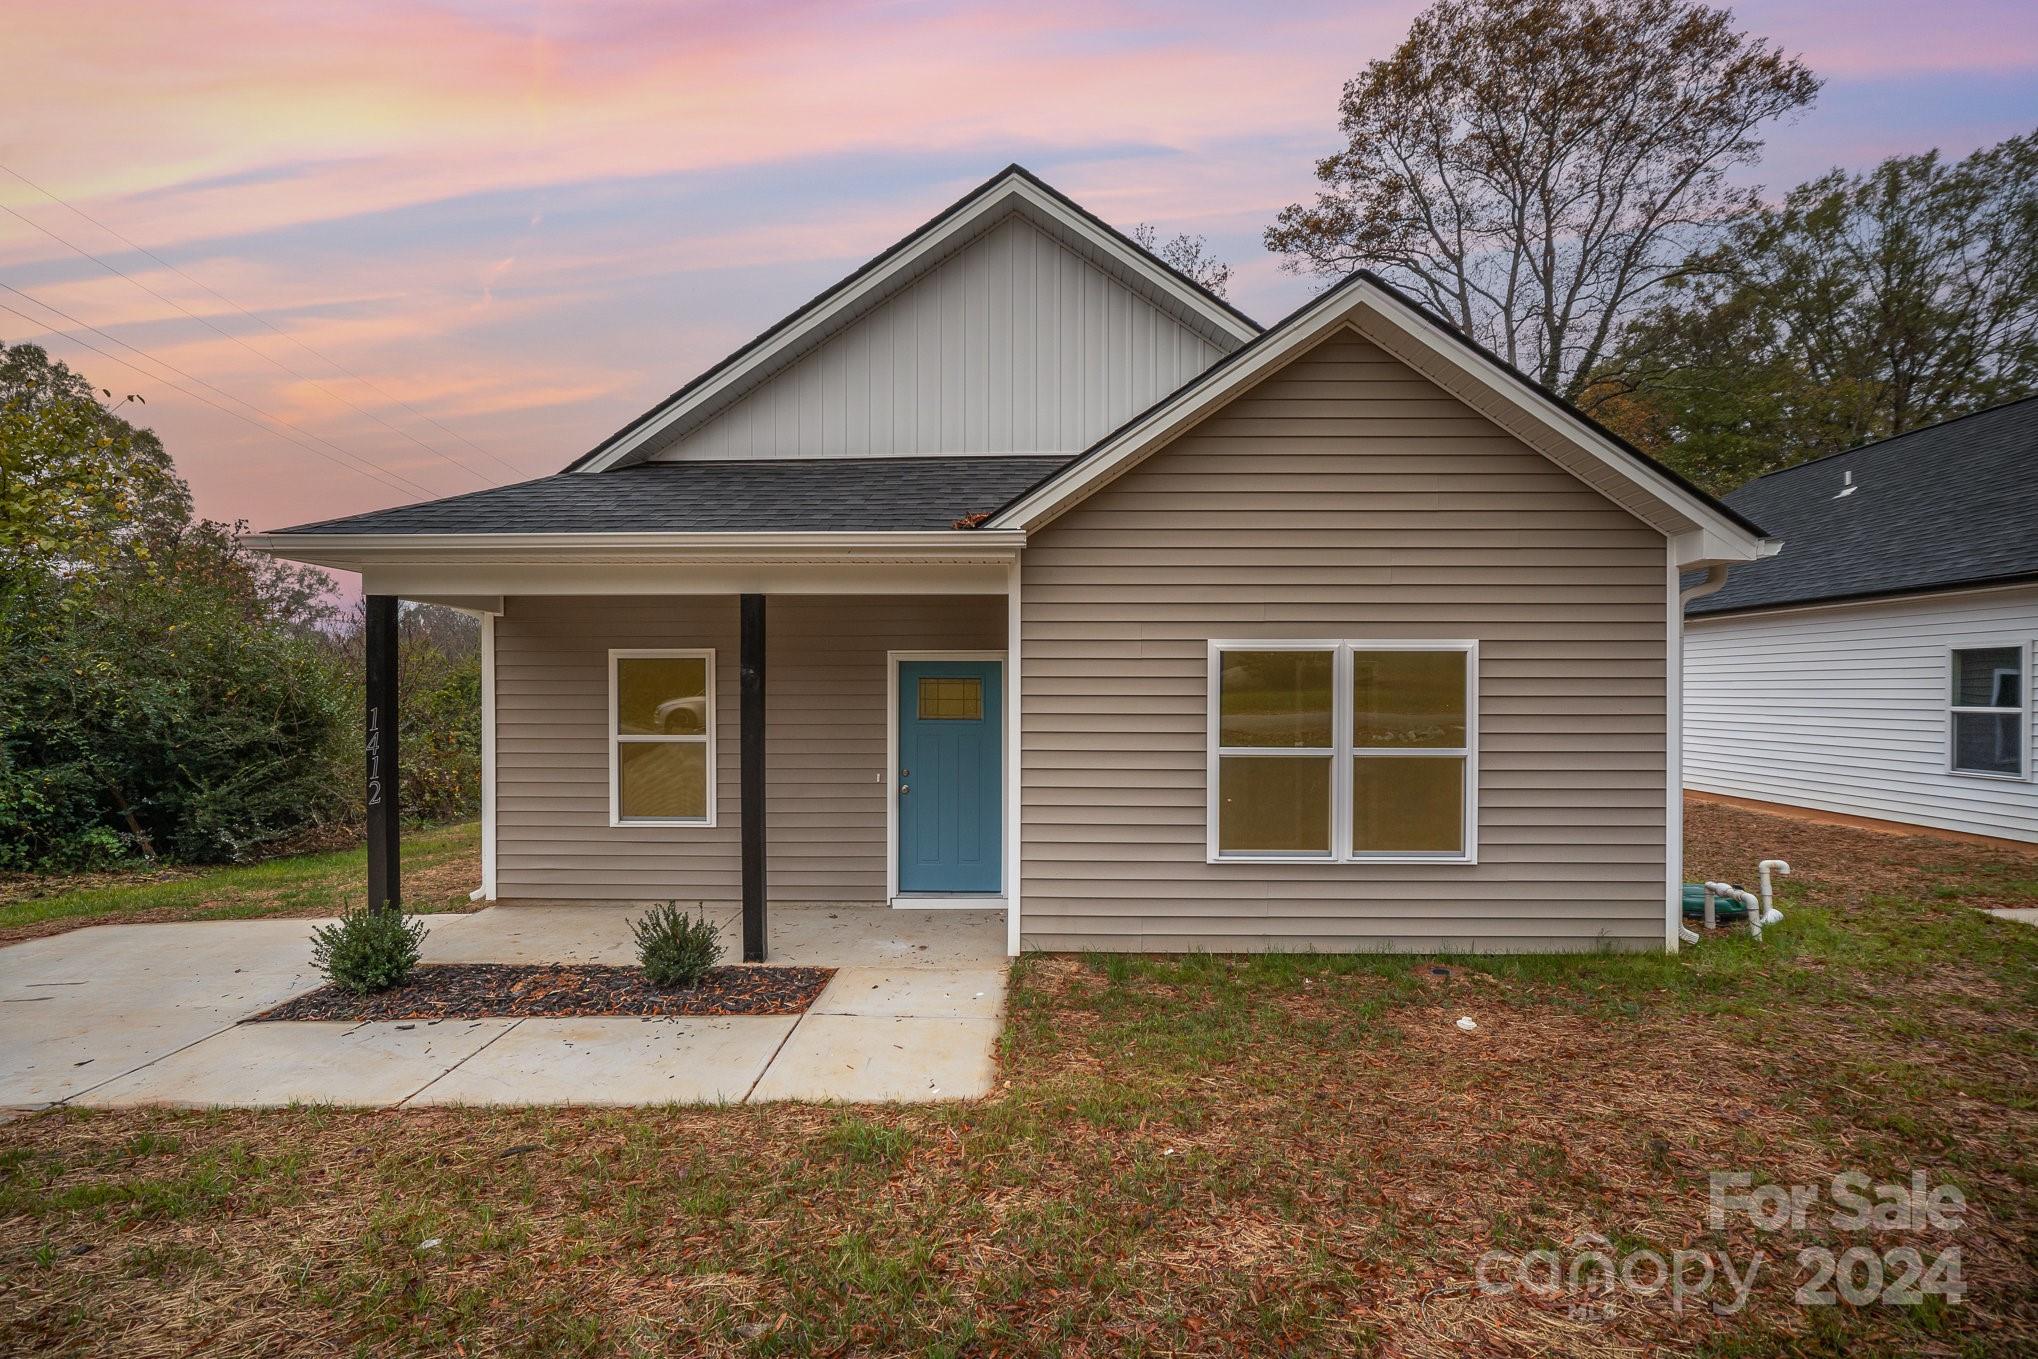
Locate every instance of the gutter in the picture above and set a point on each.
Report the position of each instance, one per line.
(347, 551)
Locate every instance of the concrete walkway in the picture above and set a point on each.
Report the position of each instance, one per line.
(118, 1015)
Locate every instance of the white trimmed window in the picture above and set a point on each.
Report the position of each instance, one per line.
(1343, 751)
(661, 738)
(1986, 713)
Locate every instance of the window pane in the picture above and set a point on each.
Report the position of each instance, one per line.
(1408, 699)
(1274, 698)
(1411, 805)
(662, 780)
(951, 699)
(1988, 677)
(1988, 743)
(1273, 804)
(662, 695)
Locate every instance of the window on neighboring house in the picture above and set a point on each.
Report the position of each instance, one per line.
(1987, 703)
(662, 738)
(1343, 751)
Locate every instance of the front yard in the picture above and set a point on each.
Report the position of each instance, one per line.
(439, 870)
(1188, 1156)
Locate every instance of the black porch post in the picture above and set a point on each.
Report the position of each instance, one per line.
(385, 878)
(753, 777)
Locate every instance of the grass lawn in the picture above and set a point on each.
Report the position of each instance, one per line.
(1196, 1155)
(439, 870)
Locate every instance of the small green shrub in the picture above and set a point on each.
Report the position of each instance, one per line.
(368, 950)
(676, 949)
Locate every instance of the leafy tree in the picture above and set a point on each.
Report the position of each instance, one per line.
(164, 691)
(1186, 254)
(1537, 170)
(1863, 306)
(167, 706)
(77, 481)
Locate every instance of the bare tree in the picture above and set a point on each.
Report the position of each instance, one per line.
(1189, 255)
(1535, 170)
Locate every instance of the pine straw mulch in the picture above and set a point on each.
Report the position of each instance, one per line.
(555, 991)
(1192, 1159)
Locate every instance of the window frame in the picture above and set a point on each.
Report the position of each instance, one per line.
(2022, 712)
(1343, 755)
(617, 739)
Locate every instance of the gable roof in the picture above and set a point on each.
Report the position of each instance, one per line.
(1703, 528)
(786, 495)
(1012, 190)
(1941, 508)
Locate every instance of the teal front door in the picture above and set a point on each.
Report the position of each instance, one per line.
(949, 779)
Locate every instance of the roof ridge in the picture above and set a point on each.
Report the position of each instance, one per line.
(1013, 171)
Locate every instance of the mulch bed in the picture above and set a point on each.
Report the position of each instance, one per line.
(552, 991)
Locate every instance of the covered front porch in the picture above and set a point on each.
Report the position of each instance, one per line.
(755, 736)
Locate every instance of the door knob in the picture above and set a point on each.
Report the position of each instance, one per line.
(905, 788)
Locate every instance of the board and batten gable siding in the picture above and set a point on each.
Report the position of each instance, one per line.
(1345, 497)
(1014, 344)
(1844, 708)
(826, 774)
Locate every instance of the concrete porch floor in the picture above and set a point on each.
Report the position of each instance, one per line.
(117, 1015)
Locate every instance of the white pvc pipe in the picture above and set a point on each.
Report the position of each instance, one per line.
(1770, 915)
(1747, 899)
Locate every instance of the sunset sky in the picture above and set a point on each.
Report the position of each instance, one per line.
(473, 238)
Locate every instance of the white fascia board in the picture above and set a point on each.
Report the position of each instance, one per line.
(880, 280)
(978, 544)
(1714, 537)
(1136, 261)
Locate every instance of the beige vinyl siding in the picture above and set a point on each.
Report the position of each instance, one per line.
(1015, 343)
(827, 776)
(1345, 497)
(826, 770)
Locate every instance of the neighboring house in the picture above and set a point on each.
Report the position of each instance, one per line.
(1881, 666)
(1018, 570)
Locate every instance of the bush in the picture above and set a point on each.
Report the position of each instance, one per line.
(368, 950)
(676, 949)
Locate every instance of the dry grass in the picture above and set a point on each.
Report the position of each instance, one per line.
(1188, 1156)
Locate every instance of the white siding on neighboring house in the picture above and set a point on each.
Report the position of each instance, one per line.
(1844, 708)
(1015, 344)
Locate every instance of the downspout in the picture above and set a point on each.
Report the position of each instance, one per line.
(1715, 580)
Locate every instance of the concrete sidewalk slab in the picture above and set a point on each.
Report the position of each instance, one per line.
(880, 936)
(616, 1061)
(266, 1065)
(925, 992)
(858, 1059)
(79, 1009)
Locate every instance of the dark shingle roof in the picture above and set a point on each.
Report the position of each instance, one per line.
(782, 495)
(1952, 505)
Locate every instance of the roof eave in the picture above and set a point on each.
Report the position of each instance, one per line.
(355, 551)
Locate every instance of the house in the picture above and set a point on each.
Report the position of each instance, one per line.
(1016, 569)
(1882, 665)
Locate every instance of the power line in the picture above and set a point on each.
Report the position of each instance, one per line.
(229, 335)
(376, 473)
(261, 320)
(193, 377)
